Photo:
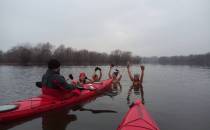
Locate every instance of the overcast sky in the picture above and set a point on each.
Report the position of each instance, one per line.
(144, 27)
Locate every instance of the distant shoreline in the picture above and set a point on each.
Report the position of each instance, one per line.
(27, 55)
(66, 65)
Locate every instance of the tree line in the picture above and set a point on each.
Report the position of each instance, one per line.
(199, 59)
(41, 53)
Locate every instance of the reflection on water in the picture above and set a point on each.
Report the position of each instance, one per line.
(137, 91)
(115, 90)
(94, 111)
(60, 119)
(57, 120)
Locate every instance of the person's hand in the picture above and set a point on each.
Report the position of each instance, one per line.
(71, 76)
(111, 65)
(143, 102)
(97, 68)
(142, 67)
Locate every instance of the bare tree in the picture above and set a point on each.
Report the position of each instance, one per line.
(1, 56)
(42, 52)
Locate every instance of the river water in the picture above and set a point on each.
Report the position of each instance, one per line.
(177, 97)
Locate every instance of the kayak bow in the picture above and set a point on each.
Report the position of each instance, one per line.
(138, 118)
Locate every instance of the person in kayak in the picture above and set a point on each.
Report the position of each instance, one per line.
(115, 76)
(95, 77)
(55, 84)
(137, 81)
(83, 79)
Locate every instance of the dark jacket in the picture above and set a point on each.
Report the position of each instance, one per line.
(55, 84)
(54, 80)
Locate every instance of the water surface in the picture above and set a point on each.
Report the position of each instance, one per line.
(178, 98)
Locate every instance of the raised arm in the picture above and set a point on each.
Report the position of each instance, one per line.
(100, 75)
(120, 86)
(142, 93)
(142, 73)
(110, 76)
(129, 72)
(120, 78)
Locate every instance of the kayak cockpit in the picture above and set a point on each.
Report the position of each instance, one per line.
(9, 107)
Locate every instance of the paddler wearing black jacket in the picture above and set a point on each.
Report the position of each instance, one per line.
(53, 83)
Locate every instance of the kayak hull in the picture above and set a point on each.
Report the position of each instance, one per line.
(44, 103)
(138, 118)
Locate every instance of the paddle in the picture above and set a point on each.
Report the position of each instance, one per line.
(86, 78)
(39, 84)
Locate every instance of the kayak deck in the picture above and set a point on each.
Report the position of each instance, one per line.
(43, 103)
(138, 118)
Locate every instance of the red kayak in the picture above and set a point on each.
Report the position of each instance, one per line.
(36, 105)
(137, 118)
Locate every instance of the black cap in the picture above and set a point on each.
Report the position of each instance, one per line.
(53, 64)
